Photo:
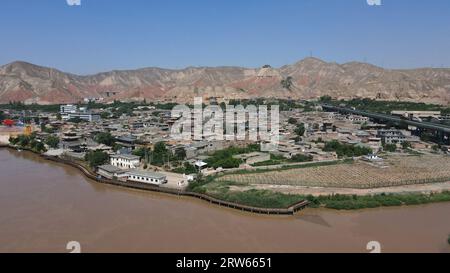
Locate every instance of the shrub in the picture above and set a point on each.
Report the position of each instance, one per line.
(52, 141)
(105, 138)
(96, 158)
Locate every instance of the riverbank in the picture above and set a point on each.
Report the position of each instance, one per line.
(266, 201)
(290, 209)
(230, 191)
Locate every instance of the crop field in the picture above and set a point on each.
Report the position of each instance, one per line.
(398, 170)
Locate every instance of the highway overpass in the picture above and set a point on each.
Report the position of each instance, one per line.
(442, 130)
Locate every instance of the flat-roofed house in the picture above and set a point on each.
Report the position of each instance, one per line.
(112, 172)
(391, 136)
(147, 177)
(125, 161)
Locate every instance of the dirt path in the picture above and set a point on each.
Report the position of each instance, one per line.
(317, 191)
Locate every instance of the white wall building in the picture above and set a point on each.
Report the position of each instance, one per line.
(125, 161)
(147, 177)
(68, 108)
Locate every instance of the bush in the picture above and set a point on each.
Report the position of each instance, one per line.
(301, 158)
(96, 158)
(292, 120)
(300, 130)
(224, 158)
(390, 148)
(105, 138)
(348, 150)
(52, 141)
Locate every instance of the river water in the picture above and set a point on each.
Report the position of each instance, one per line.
(44, 205)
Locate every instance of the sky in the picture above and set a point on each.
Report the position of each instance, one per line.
(102, 35)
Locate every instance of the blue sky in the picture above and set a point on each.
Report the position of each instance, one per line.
(102, 35)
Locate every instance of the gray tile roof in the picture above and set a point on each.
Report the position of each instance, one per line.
(111, 169)
(146, 174)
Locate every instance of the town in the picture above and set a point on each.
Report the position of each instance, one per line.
(133, 142)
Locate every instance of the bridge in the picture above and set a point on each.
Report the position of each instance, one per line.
(442, 132)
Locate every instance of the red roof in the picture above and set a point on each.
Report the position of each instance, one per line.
(8, 122)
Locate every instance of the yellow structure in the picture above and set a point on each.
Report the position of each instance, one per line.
(28, 130)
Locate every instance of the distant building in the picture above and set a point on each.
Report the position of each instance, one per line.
(70, 111)
(391, 136)
(417, 114)
(147, 177)
(68, 108)
(357, 119)
(83, 116)
(201, 147)
(125, 161)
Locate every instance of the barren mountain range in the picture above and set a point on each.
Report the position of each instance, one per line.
(306, 79)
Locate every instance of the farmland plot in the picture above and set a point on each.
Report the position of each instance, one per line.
(400, 170)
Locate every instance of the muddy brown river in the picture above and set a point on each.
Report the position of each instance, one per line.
(44, 205)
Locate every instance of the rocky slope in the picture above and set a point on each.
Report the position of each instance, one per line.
(306, 79)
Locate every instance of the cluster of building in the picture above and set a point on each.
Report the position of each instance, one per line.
(71, 111)
(126, 168)
(148, 126)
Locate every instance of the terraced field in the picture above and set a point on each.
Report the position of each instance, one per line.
(399, 170)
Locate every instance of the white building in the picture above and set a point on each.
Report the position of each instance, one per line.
(81, 115)
(70, 111)
(68, 108)
(357, 119)
(125, 161)
(112, 172)
(147, 177)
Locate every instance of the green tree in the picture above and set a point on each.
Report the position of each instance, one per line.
(292, 120)
(180, 153)
(301, 158)
(13, 140)
(52, 141)
(37, 146)
(105, 115)
(390, 148)
(2, 116)
(96, 158)
(325, 99)
(406, 145)
(160, 154)
(23, 140)
(346, 149)
(105, 138)
(300, 130)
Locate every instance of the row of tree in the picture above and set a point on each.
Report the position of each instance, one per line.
(28, 142)
(346, 150)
